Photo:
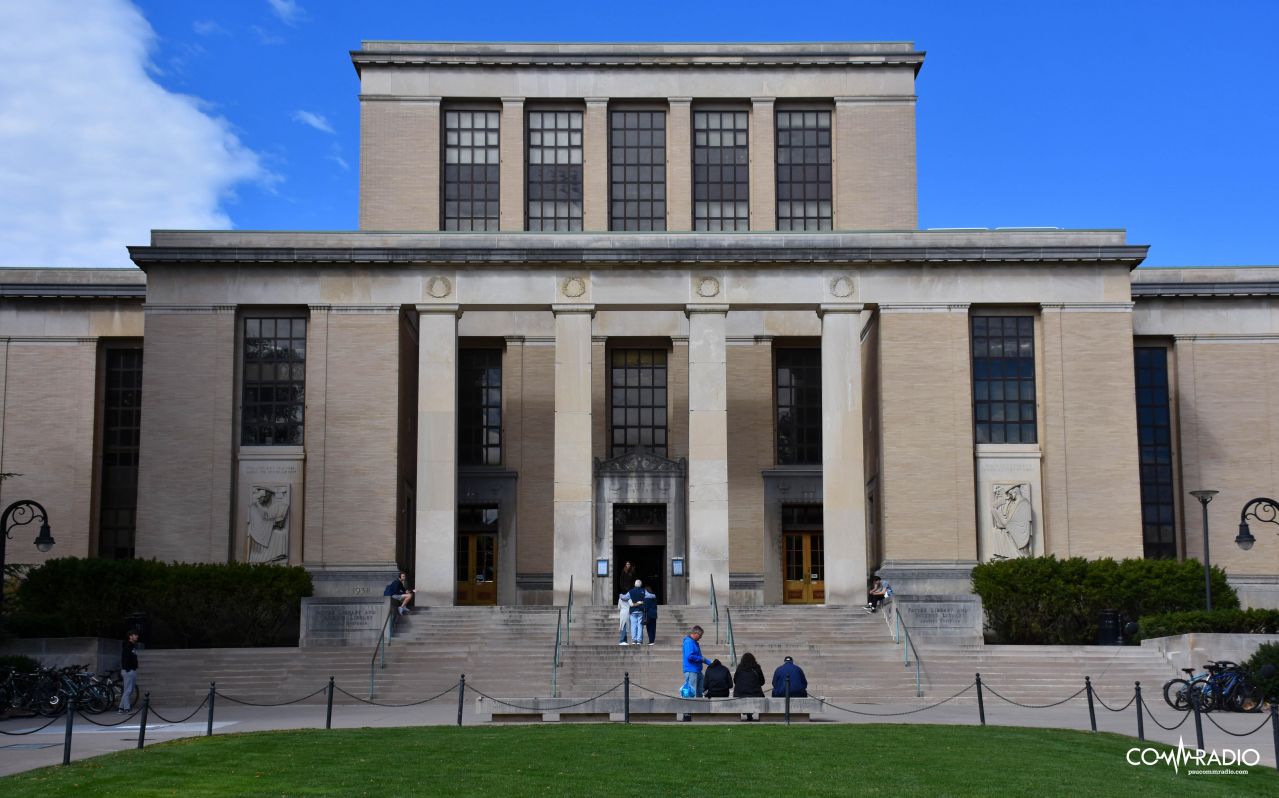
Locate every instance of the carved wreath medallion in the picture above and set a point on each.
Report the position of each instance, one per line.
(439, 287)
(573, 287)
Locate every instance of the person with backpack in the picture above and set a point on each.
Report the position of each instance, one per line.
(636, 596)
(650, 616)
(718, 680)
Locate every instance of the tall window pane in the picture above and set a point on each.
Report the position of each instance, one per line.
(637, 384)
(479, 407)
(471, 170)
(121, 423)
(1154, 436)
(721, 170)
(803, 170)
(274, 382)
(637, 170)
(1004, 379)
(798, 382)
(554, 170)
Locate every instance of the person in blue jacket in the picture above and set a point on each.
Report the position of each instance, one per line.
(693, 661)
(798, 682)
(400, 591)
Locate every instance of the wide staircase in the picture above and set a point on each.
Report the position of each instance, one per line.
(848, 656)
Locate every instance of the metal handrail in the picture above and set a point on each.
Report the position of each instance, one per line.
(555, 657)
(902, 636)
(732, 645)
(383, 642)
(714, 609)
(568, 625)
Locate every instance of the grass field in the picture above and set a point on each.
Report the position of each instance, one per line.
(639, 760)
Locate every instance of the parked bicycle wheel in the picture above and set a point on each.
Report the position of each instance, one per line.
(1177, 694)
(1203, 694)
(1247, 697)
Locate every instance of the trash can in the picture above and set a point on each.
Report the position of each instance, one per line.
(1108, 628)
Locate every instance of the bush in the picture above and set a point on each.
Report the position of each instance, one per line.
(1266, 654)
(185, 605)
(1255, 622)
(1049, 601)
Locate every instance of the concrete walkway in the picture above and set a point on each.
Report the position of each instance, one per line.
(43, 748)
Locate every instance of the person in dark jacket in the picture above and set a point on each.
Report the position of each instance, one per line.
(636, 595)
(798, 682)
(400, 591)
(717, 681)
(129, 670)
(749, 679)
(650, 616)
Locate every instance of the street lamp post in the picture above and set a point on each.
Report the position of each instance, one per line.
(18, 514)
(1260, 509)
(1205, 496)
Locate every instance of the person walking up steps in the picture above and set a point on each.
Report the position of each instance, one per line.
(636, 595)
(650, 616)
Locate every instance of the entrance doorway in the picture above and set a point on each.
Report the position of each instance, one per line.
(639, 537)
(803, 555)
(476, 555)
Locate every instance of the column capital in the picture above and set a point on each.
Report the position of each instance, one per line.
(562, 309)
(763, 100)
(595, 100)
(512, 101)
(705, 308)
(679, 100)
(456, 310)
(851, 307)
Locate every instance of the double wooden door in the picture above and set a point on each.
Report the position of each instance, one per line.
(477, 568)
(803, 568)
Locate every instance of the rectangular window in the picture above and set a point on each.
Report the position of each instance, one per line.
(471, 170)
(121, 423)
(274, 382)
(1154, 435)
(721, 170)
(637, 380)
(1004, 379)
(637, 164)
(479, 407)
(803, 170)
(798, 381)
(554, 170)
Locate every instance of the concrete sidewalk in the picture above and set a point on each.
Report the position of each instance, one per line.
(43, 748)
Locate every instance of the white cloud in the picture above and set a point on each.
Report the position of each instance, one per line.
(289, 12)
(314, 120)
(208, 27)
(93, 152)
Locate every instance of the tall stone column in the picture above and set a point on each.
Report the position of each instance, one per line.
(595, 165)
(763, 165)
(679, 164)
(511, 193)
(436, 533)
(573, 466)
(843, 470)
(707, 454)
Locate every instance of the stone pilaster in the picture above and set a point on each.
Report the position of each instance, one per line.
(436, 454)
(707, 453)
(679, 165)
(595, 165)
(843, 470)
(512, 172)
(317, 366)
(763, 165)
(573, 466)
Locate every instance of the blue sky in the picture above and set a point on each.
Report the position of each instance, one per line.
(1159, 117)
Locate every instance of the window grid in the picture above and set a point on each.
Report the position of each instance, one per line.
(637, 180)
(803, 170)
(721, 170)
(638, 386)
(121, 426)
(479, 405)
(799, 406)
(471, 170)
(274, 382)
(1004, 379)
(554, 170)
(1154, 435)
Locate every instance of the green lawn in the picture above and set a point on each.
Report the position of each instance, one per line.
(648, 761)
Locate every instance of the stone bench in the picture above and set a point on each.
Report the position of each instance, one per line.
(644, 708)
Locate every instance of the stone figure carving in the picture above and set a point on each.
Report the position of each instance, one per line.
(1014, 521)
(269, 524)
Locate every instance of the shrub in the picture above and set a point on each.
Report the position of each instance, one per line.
(1046, 600)
(1256, 622)
(185, 605)
(1266, 654)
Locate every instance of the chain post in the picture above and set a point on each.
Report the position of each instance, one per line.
(461, 696)
(66, 742)
(1092, 710)
(1199, 724)
(328, 714)
(626, 697)
(142, 727)
(1141, 721)
(981, 703)
(213, 692)
(1274, 728)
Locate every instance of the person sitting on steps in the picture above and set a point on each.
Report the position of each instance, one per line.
(400, 591)
(878, 591)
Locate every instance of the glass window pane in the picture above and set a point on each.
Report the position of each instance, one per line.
(466, 143)
(1003, 370)
(801, 140)
(638, 414)
(273, 377)
(720, 138)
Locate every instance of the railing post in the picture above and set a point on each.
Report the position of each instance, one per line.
(208, 732)
(788, 699)
(626, 697)
(1141, 721)
(981, 704)
(146, 710)
(568, 628)
(1199, 725)
(1092, 711)
(461, 696)
(66, 742)
(1274, 728)
(328, 713)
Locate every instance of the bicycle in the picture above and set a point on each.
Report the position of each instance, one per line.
(1223, 685)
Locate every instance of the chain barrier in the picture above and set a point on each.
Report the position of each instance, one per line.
(156, 712)
(52, 721)
(371, 702)
(120, 722)
(1104, 705)
(1150, 714)
(547, 708)
(221, 694)
(996, 693)
(1208, 715)
(899, 714)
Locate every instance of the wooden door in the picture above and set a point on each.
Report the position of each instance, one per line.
(477, 568)
(803, 568)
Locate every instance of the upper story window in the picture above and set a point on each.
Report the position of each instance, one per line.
(637, 379)
(471, 170)
(121, 428)
(803, 170)
(798, 378)
(637, 170)
(479, 407)
(1154, 438)
(274, 381)
(721, 171)
(554, 193)
(1004, 379)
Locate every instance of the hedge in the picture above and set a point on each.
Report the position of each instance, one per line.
(186, 605)
(1254, 622)
(1266, 653)
(1059, 602)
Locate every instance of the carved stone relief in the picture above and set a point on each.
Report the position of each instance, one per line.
(573, 287)
(439, 287)
(707, 287)
(842, 286)
(1013, 521)
(269, 524)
